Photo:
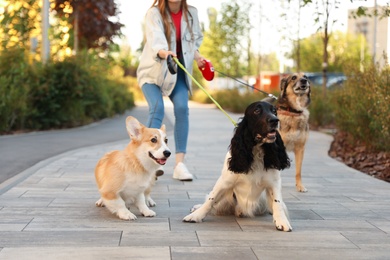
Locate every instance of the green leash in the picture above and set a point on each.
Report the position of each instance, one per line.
(204, 90)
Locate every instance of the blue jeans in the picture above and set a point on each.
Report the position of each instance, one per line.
(179, 98)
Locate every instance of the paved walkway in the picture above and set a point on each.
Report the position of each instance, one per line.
(48, 210)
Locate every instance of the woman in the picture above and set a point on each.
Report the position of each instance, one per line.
(171, 28)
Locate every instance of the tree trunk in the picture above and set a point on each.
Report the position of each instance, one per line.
(325, 64)
(76, 32)
(298, 39)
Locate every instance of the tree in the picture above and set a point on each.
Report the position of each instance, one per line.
(93, 22)
(323, 18)
(342, 49)
(20, 22)
(223, 41)
(324, 9)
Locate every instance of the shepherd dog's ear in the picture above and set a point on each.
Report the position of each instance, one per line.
(309, 95)
(283, 86)
(283, 83)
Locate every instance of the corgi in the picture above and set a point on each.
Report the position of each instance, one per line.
(127, 176)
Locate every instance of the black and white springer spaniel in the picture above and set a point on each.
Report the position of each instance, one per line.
(250, 182)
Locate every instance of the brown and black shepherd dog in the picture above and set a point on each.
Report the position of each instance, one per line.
(293, 114)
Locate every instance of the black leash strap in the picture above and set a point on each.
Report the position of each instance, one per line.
(243, 83)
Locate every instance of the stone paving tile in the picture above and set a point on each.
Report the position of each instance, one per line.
(368, 240)
(383, 225)
(15, 223)
(321, 254)
(24, 202)
(59, 238)
(348, 215)
(87, 253)
(159, 238)
(275, 239)
(215, 253)
(94, 223)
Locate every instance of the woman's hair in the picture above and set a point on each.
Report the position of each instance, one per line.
(162, 5)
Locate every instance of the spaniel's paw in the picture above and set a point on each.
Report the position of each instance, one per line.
(283, 225)
(193, 218)
(195, 207)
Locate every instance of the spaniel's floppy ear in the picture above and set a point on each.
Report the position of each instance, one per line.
(275, 155)
(241, 147)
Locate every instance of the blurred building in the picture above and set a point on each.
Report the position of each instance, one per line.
(376, 31)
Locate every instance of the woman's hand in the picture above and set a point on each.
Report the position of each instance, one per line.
(200, 61)
(163, 54)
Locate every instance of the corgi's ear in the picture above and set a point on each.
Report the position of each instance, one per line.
(163, 128)
(134, 128)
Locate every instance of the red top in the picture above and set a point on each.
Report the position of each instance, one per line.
(176, 18)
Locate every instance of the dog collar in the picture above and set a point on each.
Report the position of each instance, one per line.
(291, 110)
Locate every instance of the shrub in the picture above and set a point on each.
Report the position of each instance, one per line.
(322, 109)
(16, 80)
(68, 96)
(70, 93)
(364, 106)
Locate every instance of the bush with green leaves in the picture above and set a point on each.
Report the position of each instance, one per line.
(363, 106)
(322, 109)
(68, 93)
(17, 78)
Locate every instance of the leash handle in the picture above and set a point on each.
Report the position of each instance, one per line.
(204, 90)
(172, 67)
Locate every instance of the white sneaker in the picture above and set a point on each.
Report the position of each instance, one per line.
(181, 173)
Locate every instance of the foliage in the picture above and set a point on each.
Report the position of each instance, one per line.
(16, 80)
(382, 12)
(342, 48)
(364, 106)
(322, 109)
(223, 41)
(58, 94)
(19, 23)
(94, 20)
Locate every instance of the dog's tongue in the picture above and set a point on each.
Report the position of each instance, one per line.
(271, 135)
(161, 161)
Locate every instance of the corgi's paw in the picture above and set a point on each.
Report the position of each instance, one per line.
(148, 213)
(99, 203)
(125, 214)
(150, 202)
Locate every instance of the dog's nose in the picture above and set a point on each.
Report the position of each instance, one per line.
(273, 121)
(303, 84)
(167, 153)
